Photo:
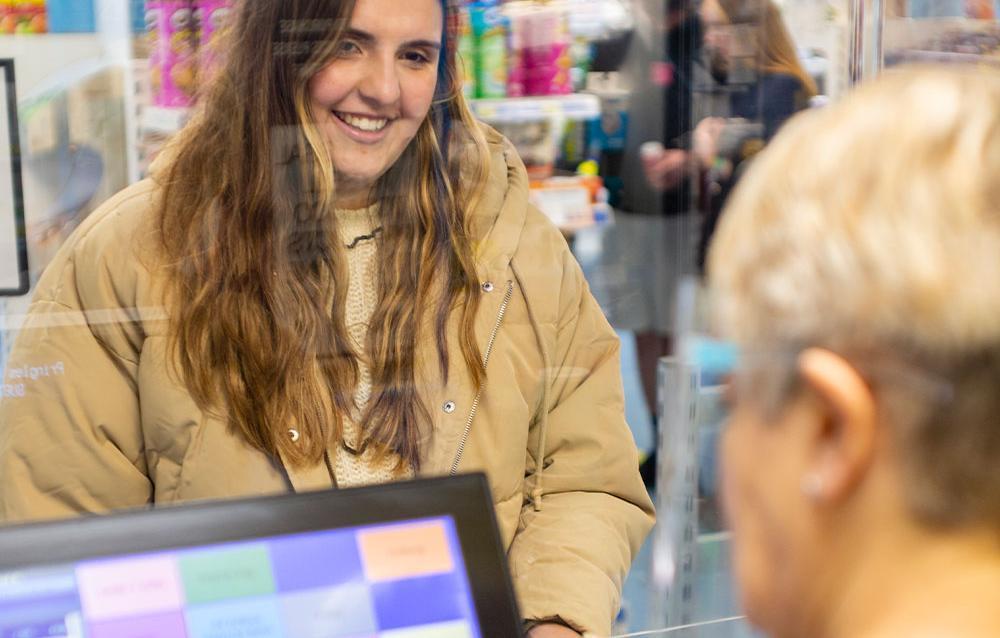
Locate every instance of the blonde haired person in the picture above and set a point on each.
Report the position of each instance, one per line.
(858, 268)
(334, 278)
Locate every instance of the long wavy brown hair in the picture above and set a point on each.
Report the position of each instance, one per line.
(257, 275)
(775, 49)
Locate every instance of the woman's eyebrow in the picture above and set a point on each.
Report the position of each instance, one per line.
(364, 37)
(361, 36)
(426, 44)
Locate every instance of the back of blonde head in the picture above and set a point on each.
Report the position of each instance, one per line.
(874, 226)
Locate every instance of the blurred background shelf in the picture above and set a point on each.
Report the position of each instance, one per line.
(577, 106)
(157, 119)
(939, 57)
(52, 63)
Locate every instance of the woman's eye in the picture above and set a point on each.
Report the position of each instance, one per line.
(348, 48)
(416, 57)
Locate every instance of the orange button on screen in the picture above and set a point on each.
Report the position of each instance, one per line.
(405, 551)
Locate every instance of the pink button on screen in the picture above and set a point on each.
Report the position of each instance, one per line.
(130, 588)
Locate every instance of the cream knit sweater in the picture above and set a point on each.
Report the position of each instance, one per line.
(351, 469)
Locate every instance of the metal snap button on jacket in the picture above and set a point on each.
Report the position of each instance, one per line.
(488, 286)
(449, 407)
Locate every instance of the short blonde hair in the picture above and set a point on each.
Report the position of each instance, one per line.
(874, 226)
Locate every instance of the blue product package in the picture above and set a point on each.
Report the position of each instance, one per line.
(71, 16)
(936, 8)
(609, 133)
(137, 10)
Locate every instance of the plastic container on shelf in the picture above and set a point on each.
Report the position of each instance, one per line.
(489, 29)
(466, 49)
(589, 174)
(604, 214)
(212, 19)
(540, 49)
(173, 61)
(573, 149)
(517, 42)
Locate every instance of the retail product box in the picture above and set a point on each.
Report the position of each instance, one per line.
(489, 29)
(137, 13)
(212, 19)
(976, 9)
(540, 50)
(461, 26)
(566, 201)
(610, 132)
(72, 16)
(23, 16)
(173, 59)
(8, 16)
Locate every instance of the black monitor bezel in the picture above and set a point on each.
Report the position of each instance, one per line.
(16, 181)
(466, 499)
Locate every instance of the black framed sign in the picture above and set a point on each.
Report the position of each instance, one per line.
(13, 244)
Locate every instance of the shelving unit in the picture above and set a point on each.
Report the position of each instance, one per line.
(935, 40)
(578, 106)
(156, 119)
(52, 63)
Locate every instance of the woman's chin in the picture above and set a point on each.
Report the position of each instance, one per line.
(354, 186)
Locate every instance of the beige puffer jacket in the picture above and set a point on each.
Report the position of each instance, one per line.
(103, 426)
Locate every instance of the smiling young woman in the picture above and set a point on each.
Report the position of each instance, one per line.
(334, 278)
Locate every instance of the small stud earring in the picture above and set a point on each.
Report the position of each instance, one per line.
(812, 486)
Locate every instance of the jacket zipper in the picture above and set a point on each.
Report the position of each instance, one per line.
(486, 360)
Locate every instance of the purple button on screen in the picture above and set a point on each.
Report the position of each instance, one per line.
(169, 625)
(316, 560)
(420, 601)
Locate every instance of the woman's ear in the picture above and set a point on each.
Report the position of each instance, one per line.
(845, 438)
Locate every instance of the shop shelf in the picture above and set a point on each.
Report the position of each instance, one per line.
(157, 119)
(578, 106)
(940, 57)
(45, 64)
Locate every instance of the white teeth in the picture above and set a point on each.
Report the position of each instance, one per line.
(363, 123)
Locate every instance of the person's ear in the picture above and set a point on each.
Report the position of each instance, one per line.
(844, 439)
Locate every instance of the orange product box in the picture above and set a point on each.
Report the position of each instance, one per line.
(8, 16)
(23, 16)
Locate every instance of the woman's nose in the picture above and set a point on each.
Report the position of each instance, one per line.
(380, 83)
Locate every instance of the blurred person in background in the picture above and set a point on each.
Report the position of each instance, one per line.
(750, 49)
(749, 45)
(668, 172)
(857, 268)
